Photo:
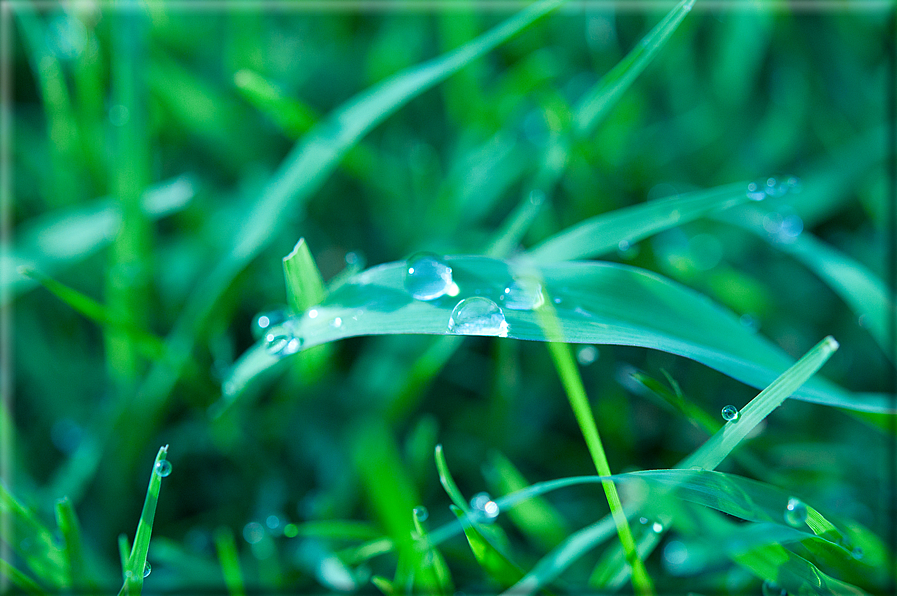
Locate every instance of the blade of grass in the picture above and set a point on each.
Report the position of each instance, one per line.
(133, 569)
(579, 402)
(434, 575)
(226, 547)
(305, 286)
(31, 540)
(600, 303)
(592, 108)
(20, 580)
(491, 559)
(603, 233)
(79, 573)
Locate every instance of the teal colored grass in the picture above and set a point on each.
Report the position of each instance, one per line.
(437, 299)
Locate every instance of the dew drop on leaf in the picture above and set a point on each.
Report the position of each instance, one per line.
(523, 294)
(163, 468)
(730, 413)
(483, 504)
(478, 316)
(795, 512)
(147, 568)
(428, 278)
(420, 513)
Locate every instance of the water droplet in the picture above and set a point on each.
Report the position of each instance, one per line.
(657, 527)
(558, 300)
(628, 250)
(774, 188)
(791, 228)
(163, 468)
(587, 355)
(428, 278)
(282, 345)
(857, 553)
(770, 588)
(623, 245)
(483, 504)
(478, 316)
(313, 313)
(353, 258)
(336, 323)
(795, 512)
(266, 320)
(421, 513)
(755, 192)
(537, 197)
(523, 294)
(253, 532)
(730, 413)
(147, 569)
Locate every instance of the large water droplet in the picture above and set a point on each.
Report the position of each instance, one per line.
(795, 512)
(163, 468)
(147, 569)
(420, 513)
(428, 278)
(267, 320)
(730, 413)
(282, 344)
(483, 504)
(478, 316)
(523, 294)
(770, 588)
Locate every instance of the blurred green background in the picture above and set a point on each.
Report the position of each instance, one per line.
(144, 136)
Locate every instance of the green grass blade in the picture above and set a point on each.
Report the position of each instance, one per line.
(31, 540)
(599, 101)
(305, 286)
(535, 517)
(600, 303)
(490, 557)
(579, 402)
(136, 563)
(292, 116)
(714, 451)
(226, 547)
(448, 483)
(603, 233)
(20, 580)
(433, 575)
(51, 241)
(148, 344)
(67, 520)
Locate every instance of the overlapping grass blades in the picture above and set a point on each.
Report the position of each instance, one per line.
(600, 303)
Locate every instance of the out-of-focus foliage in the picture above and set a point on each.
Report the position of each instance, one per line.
(151, 153)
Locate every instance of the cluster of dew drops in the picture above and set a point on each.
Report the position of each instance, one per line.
(782, 224)
(427, 277)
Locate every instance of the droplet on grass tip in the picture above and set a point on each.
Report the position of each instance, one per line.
(795, 512)
(428, 278)
(483, 504)
(730, 413)
(478, 316)
(770, 588)
(523, 294)
(163, 468)
(147, 569)
(421, 513)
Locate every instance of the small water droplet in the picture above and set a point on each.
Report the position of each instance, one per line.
(857, 553)
(483, 504)
(523, 294)
(253, 532)
(587, 355)
(795, 512)
(147, 569)
(537, 197)
(353, 258)
(770, 588)
(336, 323)
(558, 300)
(478, 316)
(657, 527)
(428, 278)
(163, 468)
(266, 320)
(750, 321)
(282, 345)
(421, 513)
(730, 413)
(755, 192)
(623, 245)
